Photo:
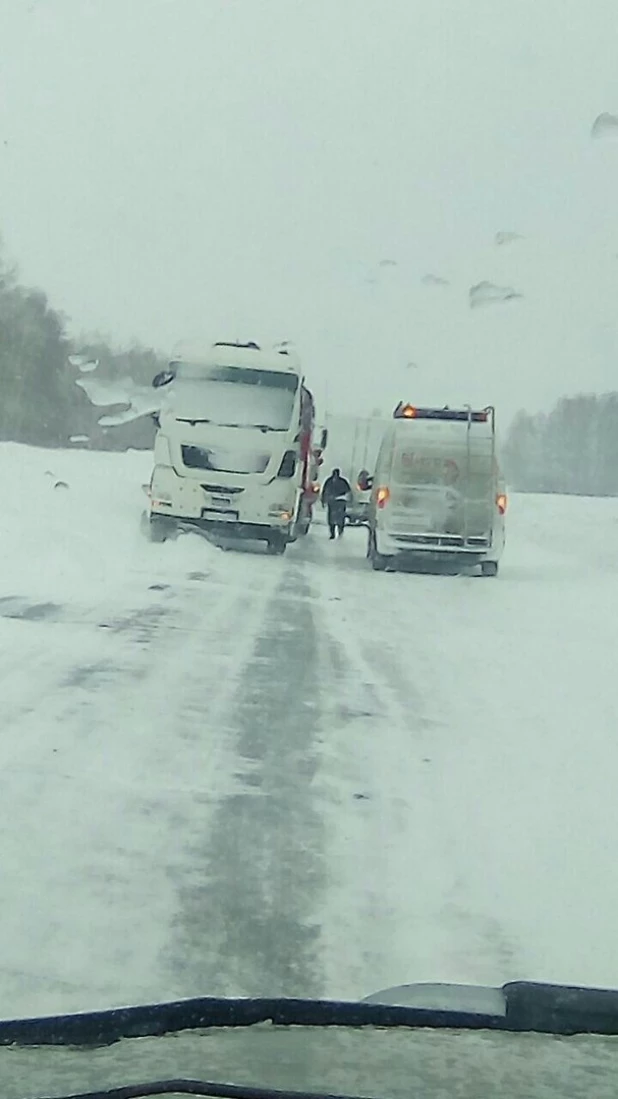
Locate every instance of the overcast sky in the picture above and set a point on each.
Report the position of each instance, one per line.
(204, 169)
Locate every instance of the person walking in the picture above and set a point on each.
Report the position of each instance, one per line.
(336, 493)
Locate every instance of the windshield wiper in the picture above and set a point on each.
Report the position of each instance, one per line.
(203, 1088)
(249, 427)
(193, 420)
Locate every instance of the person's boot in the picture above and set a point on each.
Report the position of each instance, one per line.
(332, 533)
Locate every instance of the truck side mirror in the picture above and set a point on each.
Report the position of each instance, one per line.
(164, 377)
(364, 480)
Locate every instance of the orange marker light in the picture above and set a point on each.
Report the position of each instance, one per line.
(502, 502)
(408, 411)
(383, 496)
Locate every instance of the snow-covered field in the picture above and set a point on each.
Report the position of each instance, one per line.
(230, 773)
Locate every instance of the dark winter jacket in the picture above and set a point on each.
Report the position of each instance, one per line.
(334, 487)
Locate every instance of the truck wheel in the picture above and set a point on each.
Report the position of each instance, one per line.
(489, 568)
(276, 546)
(158, 529)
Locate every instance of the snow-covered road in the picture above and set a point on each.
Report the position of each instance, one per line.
(230, 773)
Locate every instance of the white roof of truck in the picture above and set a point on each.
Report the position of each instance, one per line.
(247, 356)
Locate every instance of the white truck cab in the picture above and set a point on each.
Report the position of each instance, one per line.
(233, 449)
(438, 494)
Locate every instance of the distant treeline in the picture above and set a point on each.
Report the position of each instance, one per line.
(40, 403)
(572, 449)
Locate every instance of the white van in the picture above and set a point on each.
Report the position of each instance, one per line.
(437, 493)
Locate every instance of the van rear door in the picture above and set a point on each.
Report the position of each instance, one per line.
(442, 489)
(423, 497)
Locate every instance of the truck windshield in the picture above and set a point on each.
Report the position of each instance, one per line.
(235, 396)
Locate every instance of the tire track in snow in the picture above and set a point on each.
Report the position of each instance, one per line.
(396, 883)
(106, 783)
(32, 667)
(39, 640)
(248, 925)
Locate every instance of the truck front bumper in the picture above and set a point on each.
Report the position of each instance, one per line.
(185, 503)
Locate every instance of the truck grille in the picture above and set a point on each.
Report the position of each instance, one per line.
(223, 490)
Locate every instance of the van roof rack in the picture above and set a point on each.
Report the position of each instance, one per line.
(406, 411)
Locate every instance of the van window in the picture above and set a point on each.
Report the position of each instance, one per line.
(414, 468)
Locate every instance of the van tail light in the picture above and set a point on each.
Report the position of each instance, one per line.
(502, 502)
(382, 496)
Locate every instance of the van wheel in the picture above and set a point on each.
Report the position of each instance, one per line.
(379, 562)
(489, 568)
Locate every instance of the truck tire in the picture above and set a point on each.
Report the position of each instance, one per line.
(158, 529)
(489, 568)
(276, 545)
